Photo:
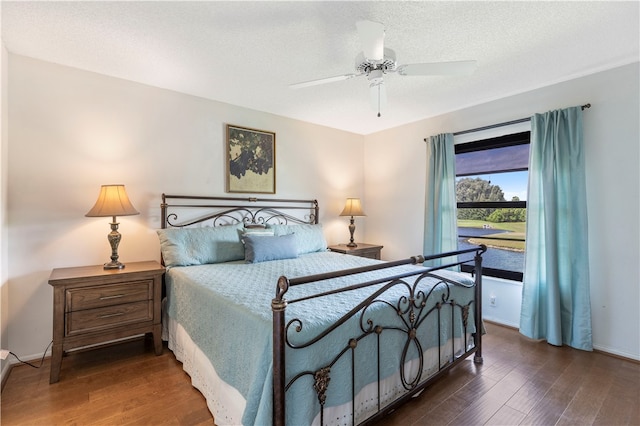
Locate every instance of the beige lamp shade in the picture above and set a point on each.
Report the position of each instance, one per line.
(352, 208)
(112, 201)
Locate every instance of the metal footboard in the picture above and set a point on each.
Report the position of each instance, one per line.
(414, 308)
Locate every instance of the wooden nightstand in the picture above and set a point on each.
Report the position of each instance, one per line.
(92, 305)
(363, 250)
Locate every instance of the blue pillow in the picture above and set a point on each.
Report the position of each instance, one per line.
(260, 248)
(197, 246)
(309, 238)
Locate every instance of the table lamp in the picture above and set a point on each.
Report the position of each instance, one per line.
(113, 201)
(352, 208)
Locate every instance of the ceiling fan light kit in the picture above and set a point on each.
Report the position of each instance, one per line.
(375, 61)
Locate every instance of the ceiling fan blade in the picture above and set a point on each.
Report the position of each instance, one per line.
(439, 68)
(323, 81)
(378, 96)
(372, 39)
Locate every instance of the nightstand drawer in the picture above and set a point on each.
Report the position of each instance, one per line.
(375, 254)
(107, 317)
(108, 295)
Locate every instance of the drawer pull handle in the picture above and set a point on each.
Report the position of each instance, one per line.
(116, 296)
(117, 314)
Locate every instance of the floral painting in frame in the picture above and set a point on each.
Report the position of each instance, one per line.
(251, 160)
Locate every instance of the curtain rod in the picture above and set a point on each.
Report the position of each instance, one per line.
(506, 123)
(493, 126)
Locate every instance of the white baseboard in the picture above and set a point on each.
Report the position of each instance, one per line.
(4, 373)
(616, 353)
(500, 321)
(11, 361)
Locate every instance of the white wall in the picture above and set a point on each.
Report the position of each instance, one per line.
(4, 286)
(394, 193)
(72, 131)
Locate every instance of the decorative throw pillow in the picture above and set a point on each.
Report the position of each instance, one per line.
(257, 231)
(260, 248)
(197, 246)
(309, 237)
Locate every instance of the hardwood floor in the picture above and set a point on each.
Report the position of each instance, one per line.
(125, 384)
(523, 382)
(520, 383)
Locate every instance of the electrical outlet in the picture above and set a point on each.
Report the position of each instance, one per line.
(492, 300)
(4, 353)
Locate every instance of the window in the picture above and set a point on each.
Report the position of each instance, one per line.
(491, 195)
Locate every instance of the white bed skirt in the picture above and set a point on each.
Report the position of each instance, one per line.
(227, 404)
(224, 401)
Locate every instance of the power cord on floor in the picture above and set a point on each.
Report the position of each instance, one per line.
(28, 363)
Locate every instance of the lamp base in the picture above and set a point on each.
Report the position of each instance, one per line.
(114, 239)
(114, 265)
(352, 229)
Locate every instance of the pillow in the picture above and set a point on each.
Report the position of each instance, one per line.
(260, 248)
(309, 238)
(197, 246)
(257, 231)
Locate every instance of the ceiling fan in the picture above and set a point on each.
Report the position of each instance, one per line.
(375, 61)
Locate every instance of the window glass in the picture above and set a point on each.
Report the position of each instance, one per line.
(491, 191)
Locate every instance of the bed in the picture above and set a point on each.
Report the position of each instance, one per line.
(275, 329)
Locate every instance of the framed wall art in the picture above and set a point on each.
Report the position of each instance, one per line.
(251, 160)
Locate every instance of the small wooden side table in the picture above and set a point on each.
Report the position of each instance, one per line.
(371, 251)
(92, 305)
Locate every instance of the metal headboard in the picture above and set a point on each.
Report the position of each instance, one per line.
(217, 211)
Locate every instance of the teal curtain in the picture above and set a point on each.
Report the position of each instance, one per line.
(555, 297)
(440, 229)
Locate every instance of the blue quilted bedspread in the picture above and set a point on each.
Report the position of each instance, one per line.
(226, 309)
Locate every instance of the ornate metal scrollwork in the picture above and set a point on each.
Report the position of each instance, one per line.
(321, 383)
(241, 214)
(171, 222)
(412, 339)
(248, 220)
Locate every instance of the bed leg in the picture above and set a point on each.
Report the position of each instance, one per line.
(278, 306)
(477, 358)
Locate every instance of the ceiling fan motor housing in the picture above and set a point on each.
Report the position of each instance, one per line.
(375, 69)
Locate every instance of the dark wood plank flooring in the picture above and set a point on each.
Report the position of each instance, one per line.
(520, 383)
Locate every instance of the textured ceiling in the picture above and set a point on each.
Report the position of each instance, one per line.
(247, 53)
